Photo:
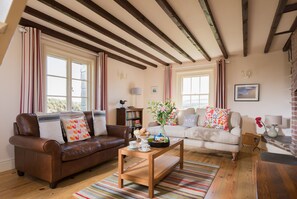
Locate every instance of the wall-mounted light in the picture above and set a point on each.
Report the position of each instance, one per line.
(246, 74)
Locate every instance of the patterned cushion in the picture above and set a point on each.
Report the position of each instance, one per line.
(217, 118)
(75, 126)
(190, 120)
(99, 122)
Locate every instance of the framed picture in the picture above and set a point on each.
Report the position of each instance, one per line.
(246, 92)
(154, 89)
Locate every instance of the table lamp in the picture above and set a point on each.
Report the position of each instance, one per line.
(273, 121)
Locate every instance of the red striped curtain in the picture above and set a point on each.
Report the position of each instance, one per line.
(101, 83)
(168, 83)
(221, 84)
(31, 100)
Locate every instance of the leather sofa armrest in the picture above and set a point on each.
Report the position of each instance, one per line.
(118, 131)
(36, 144)
(151, 124)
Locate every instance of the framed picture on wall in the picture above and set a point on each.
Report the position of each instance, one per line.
(246, 92)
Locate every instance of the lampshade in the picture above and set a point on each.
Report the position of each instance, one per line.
(136, 91)
(273, 120)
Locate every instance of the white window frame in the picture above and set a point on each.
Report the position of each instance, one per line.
(194, 73)
(70, 56)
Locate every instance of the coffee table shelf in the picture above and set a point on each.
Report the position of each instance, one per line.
(140, 173)
(155, 166)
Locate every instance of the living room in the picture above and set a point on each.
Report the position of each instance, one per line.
(244, 33)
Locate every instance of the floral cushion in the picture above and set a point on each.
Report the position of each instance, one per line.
(76, 129)
(217, 118)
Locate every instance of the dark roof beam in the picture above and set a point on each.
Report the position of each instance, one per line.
(68, 12)
(109, 17)
(179, 23)
(147, 23)
(210, 19)
(276, 20)
(76, 42)
(72, 29)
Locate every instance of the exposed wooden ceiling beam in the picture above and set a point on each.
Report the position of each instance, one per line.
(72, 29)
(210, 19)
(276, 20)
(71, 40)
(106, 15)
(292, 29)
(64, 10)
(244, 5)
(290, 7)
(147, 23)
(178, 22)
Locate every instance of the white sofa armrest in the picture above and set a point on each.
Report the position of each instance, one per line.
(236, 131)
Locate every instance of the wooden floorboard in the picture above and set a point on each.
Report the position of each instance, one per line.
(233, 180)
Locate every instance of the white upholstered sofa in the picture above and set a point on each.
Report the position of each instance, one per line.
(200, 136)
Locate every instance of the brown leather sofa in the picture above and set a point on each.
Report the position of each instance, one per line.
(52, 161)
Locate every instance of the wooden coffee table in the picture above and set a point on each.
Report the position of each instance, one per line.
(156, 166)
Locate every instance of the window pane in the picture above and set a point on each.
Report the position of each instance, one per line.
(79, 71)
(79, 104)
(186, 101)
(79, 88)
(203, 101)
(195, 85)
(56, 104)
(204, 84)
(186, 86)
(195, 101)
(56, 66)
(56, 86)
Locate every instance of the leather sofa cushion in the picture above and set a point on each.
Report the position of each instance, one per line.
(28, 124)
(80, 149)
(107, 142)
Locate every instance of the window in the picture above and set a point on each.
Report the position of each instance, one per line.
(195, 91)
(67, 84)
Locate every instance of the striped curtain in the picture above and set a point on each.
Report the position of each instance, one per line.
(101, 83)
(167, 82)
(31, 100)
(221, 84)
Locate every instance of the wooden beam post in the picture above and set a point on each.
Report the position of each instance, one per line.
(12, 20)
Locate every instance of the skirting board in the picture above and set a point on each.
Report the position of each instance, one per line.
(7, 165)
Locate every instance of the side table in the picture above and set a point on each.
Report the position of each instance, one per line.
(251, 139)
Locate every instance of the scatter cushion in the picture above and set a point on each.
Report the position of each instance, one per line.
(75, 126)
(216, 118)
(190, 120)
(50, 127)
(99, 119)
(182, 113)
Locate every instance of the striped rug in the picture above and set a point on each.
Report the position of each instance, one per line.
(191, 182)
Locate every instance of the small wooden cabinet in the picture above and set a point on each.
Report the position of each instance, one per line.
(131, 117)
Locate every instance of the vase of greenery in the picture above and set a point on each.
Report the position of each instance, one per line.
(161, 112)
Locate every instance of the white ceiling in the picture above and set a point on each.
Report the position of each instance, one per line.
(227, 14)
